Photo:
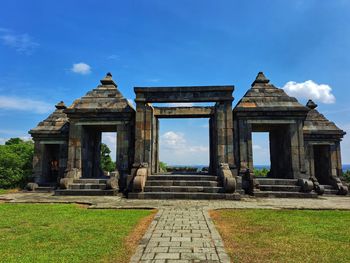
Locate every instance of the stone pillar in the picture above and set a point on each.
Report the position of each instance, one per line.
(38, 160)
(297, 150)
(224, 133)
(333, 160)
(155, 146)
(309, 160)
(280, 153)
(212, 152)
(144, 124)
(123, 144)
(96, 161)
(63, 148)
(74, 161)
(339, 166)
(245, 146)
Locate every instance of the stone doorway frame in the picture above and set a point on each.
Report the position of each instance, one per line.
(220, 124)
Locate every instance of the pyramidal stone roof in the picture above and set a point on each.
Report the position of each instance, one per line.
(317, 123)
(104, 98)
(57, 123)
(263, 96)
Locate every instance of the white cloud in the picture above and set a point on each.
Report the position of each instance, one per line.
(310, 90)
(16, 103)
(81, 68)
(22, 43)
(175, 149)
(173, 140)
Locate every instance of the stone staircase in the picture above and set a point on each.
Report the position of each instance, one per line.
(183, 186)
(330, 190)
(92, 187)
(281, 188)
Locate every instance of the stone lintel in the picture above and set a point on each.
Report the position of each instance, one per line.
(184, 94)
(271, 121)
(103, 123)
(53, 142)
(183, 112)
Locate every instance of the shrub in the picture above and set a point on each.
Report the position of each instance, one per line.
(261, 172)
(163, 167)
(346, 176)
(16, 163)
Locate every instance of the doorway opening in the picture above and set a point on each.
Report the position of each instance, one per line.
(322, 163)
(51, 163)
(95, 153)
(280, 150)
(184, 145)
(108, 152)
(261, 153)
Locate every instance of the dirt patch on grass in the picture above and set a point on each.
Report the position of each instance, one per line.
(258, 235)
(132, 240)
(239, 248)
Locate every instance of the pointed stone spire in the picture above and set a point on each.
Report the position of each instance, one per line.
(61, 106)
(310, 104)
(260, 79)
(107, 80)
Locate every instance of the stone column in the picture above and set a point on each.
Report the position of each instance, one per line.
(297, 150)
(144, 124)
(212, 152)
(224, 133)
(155, 146)
(123, 148)
(338, 159)
(74, 161)
(309, 160)
(63, 148)
(333, 160)
(245, 146)
(38, 160)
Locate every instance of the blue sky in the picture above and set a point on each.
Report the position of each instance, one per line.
(155, 43)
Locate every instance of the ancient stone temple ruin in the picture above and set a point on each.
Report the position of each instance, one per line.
(304, 145)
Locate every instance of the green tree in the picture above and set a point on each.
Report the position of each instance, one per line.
(163, 167)
(15, 163)
(106, 161)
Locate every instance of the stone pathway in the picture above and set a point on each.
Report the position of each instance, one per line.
(181, 235)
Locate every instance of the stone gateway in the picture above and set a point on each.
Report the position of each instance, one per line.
(304, 146)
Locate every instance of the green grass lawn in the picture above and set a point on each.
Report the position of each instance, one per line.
(285, 235)
(68, 233)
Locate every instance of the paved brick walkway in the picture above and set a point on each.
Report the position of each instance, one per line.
(181, 235)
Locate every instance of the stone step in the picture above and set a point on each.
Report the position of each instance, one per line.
(330, 192)
(90, 181)
(282, 188)
(181, 177)
(45, 189)
(189, 189)
(87, 186)
(184, 195)
(326, 186)
(180, 183)
(282, 194)
(276, 181)
(86, 192)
